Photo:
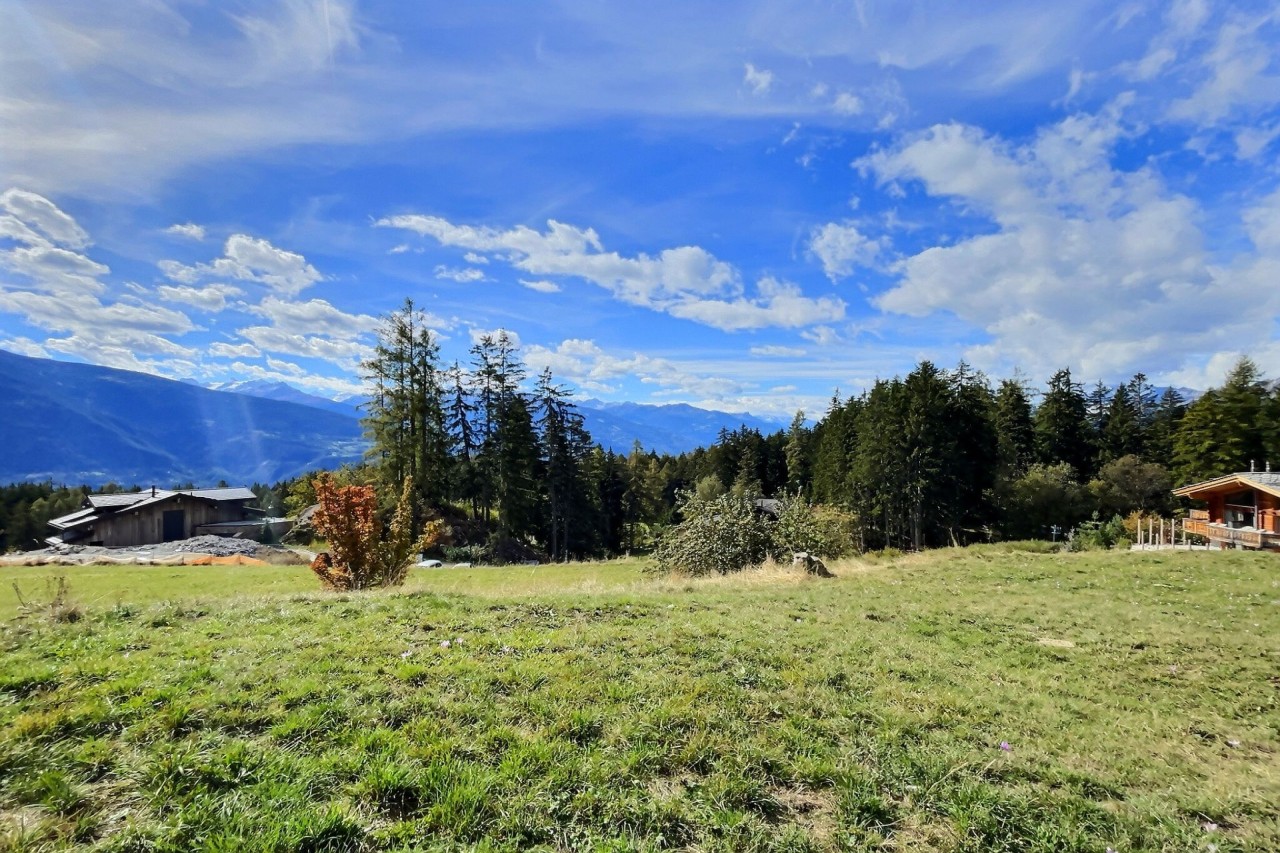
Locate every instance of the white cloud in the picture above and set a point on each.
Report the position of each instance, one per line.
(225, 350)
(473, 258)
(189, 230)
(1238, 73)
(1089, 266)
(586, 365)
(478, 334)
(346, 354)
(210, 297)
(779, 352)
(316, 316)
(541, 286)
(24, 346)
(780, 304)
(686, 282)
(847, 104)
(254, 259)
(841, 247)
(758, 79)
(53, 269)
(461, 276)
(44, 216)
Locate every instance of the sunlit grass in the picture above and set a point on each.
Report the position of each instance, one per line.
(592, 706)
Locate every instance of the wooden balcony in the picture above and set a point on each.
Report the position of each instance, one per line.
(1220, 533)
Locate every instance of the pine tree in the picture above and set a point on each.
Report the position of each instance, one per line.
(565, 447)
(1015, 430)
(1225, 430)
(1122, 435)
(1164, 425)
(1062, 428)
(405, 420)
(797, 452)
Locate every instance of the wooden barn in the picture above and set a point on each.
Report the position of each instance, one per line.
(125, 520)
(1241, 510)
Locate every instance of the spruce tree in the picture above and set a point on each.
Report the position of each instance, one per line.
(1062, 427)
(405, 416)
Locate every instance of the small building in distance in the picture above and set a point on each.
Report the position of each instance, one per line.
(149, 517)
(1242, 510)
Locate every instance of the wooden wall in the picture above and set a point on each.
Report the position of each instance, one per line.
(146, 526)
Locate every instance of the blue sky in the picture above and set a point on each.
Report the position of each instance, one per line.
(743, 209)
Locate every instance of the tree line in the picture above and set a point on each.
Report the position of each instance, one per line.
(935, 458)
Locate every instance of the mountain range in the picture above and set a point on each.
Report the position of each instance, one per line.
(83, 424)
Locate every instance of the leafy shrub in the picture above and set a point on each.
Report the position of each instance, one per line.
(824, 531)
(719, 535)
(1097, 535)
(359, 556)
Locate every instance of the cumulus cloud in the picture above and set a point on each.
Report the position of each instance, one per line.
(211, 297)
(48, 240)
(686, 282)
(189, 230)
(24, 346)
(1089, 266)
(841, 247)
(781, 304)
(252, 259)
(45, 217)
(225, 350)
(316, 316)
(585, 364)
(757, 79)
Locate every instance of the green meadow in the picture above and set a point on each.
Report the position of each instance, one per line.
(990, 698)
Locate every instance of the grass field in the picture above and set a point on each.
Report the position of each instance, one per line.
(984, 699)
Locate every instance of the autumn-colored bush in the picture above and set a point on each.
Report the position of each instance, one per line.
(359, 555)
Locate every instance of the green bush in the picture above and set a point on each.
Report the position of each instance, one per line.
(823, 531)
(1097, 535)
(718, 536)
(727, 533)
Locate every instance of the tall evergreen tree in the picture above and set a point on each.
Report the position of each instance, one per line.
(797, 452)
(1224, 431)
(1164, 425)
(405, 419)
(565, 448)
(1062, 427)
(1015, 430)
(1122, 434)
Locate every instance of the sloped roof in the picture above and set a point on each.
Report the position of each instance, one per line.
(1263, 481)
(118, 499)
(87, 515)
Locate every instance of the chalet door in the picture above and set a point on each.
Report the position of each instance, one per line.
(175, 525)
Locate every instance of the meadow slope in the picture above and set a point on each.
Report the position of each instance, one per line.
(982, 699)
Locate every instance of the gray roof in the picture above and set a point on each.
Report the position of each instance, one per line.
(80, 516)
(118, 499)
(1270, 479)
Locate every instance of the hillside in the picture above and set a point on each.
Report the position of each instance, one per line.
(79, 423)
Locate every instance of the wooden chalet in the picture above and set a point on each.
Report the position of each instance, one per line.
(129, 519)
(1243, 510)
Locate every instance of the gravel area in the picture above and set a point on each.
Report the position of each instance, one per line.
(168, 553)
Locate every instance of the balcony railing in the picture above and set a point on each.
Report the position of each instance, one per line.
(1232, 535)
